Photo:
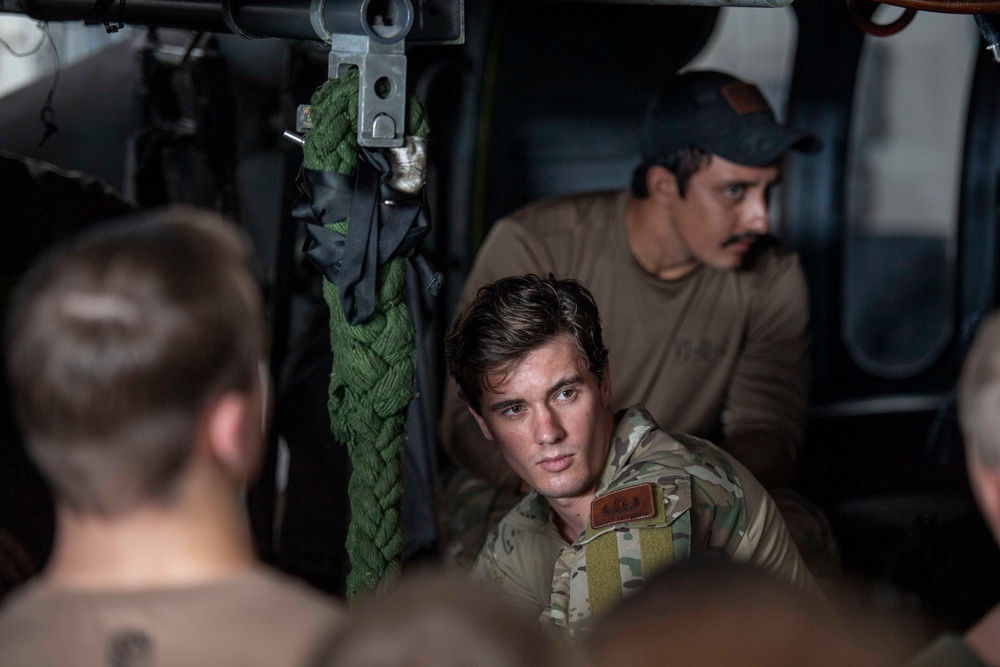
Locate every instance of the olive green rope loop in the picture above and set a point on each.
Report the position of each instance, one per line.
(372, 382)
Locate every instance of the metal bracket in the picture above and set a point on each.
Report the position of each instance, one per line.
(382, 94)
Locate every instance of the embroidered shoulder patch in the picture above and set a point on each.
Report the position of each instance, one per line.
(743, 97)
(628, 504)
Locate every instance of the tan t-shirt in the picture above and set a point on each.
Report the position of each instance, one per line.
(718, 354)
(258, 617)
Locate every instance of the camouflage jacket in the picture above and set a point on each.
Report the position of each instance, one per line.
(660, 499)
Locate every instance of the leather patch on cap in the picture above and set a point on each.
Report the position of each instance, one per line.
(744, 98)
(628, 504)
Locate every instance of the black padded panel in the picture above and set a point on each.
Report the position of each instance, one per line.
(568, 90)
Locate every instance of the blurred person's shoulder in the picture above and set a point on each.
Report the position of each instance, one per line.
(258, 617)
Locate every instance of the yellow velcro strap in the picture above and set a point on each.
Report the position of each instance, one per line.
(604, 576)
(657, 548)
(604, 570)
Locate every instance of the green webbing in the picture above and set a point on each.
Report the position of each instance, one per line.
(372, 382)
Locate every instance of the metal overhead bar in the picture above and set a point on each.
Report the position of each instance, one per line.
(696, 3)
(435, 21)
(367, 34)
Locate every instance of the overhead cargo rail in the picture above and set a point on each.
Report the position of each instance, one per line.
(434, 22)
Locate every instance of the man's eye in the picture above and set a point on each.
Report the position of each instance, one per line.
(514, 410)
(566, 394)
(735, 191)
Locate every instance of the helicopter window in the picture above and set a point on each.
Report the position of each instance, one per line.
(756, 45)
(903, 176)
(74, 41)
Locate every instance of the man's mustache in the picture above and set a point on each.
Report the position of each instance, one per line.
(748, 237)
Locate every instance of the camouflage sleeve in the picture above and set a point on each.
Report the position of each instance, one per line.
(737, 519)
(502, 568)
(719, 513)
(768, 541)
(766, 399)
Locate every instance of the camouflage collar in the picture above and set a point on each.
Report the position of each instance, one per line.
(532, 513)
(632, 425)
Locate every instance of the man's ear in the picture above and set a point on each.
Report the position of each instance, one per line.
(662, 185)
(482, 424)
(229, 439)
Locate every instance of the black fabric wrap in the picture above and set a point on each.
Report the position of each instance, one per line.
(384, 223)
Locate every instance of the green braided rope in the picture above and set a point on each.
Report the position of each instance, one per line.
(372, 382)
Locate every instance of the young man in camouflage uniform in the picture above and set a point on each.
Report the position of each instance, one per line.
(613, 499)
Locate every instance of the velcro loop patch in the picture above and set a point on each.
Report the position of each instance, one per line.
(604, 574)
(628, 504)
(743, 97)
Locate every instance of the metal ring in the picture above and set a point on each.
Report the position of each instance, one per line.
(316, 17)
(227, 16)
(879, 29)
(404, 29)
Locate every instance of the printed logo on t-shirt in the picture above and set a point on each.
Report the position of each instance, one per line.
(703, 349)
(130, 648)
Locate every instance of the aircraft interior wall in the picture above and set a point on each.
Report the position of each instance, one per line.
(895, 221)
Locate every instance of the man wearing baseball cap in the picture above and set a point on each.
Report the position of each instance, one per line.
(704, 312)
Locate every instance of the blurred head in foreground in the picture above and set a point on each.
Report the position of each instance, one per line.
(129, 347)
(979, 414)
(439, 619)
(711, 613)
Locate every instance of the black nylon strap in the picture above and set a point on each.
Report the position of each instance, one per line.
(384, 223)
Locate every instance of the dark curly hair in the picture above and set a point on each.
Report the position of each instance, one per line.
(513, 316)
